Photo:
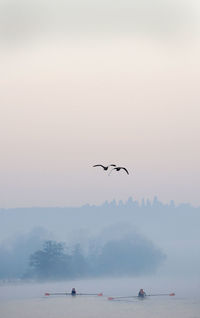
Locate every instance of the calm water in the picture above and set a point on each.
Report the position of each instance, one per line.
(28, 300)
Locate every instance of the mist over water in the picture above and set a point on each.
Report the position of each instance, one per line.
(158, 237)
(28, 300)
(125, 286)
(145, 238)
(169, 232)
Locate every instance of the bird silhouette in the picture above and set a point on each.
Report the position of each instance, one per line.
(105, 167)
(118, 169)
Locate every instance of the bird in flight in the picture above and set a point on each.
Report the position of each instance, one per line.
(105, 167)
(118, 169)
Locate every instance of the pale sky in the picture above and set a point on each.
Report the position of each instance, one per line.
(99, 82)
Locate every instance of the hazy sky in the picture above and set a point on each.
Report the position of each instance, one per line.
(86, 82)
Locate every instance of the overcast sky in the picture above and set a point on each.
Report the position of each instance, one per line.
(86, 82)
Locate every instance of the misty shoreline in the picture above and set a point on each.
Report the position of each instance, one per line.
(153, 227)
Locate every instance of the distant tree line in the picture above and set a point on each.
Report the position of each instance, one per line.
(110, 250)
(121, 257)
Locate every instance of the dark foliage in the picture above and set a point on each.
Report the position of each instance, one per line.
(115, 257)
(51, 261)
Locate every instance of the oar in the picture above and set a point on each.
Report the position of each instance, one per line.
(100, 294)
(79, 294)
(172, 294)
(112, 298)
(52, 294)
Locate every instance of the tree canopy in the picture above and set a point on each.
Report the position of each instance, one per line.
(113, 258)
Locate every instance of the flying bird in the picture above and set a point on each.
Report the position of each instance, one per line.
(105, 167)
(118, 169)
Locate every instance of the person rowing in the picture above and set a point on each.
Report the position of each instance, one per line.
(141, 293)
(73, 292)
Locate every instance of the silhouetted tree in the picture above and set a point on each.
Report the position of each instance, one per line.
(51, 261)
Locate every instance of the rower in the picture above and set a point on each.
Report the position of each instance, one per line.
(73, 292)
(141, 293)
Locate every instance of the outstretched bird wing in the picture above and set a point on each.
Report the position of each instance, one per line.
(118, 169)
(99, 166)
(112, 165)
(125, 170)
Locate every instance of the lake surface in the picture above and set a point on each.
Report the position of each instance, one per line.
(28, 300)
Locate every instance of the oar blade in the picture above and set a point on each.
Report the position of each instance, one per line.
(172, 294)
(100, 294)
(47, 294)
(110, 298)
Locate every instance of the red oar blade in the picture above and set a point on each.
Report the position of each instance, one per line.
(47, 294)
(172, 294)
(110, 298)
(100, 294)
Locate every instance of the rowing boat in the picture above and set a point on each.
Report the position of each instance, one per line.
(71, 294)
(139, 297)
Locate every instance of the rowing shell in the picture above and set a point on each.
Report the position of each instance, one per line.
(140, 297)
(70, 294)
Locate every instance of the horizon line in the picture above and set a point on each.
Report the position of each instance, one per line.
(144, 202)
